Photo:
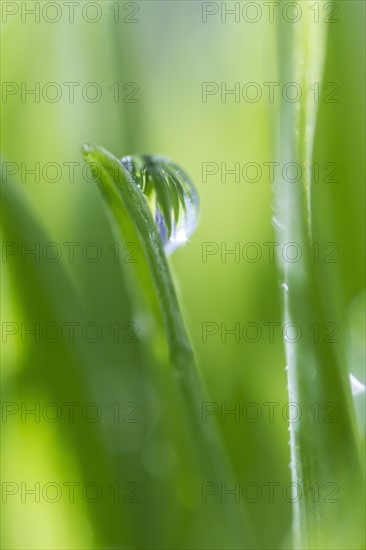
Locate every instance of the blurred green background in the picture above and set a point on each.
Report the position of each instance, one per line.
(168, 52)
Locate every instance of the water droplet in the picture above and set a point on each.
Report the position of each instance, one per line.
(170, 194)
(356, 386)
(276, 223)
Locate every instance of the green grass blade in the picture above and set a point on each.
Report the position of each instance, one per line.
(42, 292)
(325, 461)
(132, 203)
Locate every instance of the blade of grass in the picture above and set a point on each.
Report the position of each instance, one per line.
(325, 462)
(211, 455)
(42, 293)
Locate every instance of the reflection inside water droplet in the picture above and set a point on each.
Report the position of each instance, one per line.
(171, 196)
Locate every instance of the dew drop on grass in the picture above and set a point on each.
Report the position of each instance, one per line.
(170, 194)
(356, 385)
